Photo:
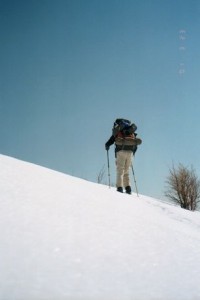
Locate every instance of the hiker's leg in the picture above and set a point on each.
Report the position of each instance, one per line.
(127, 165)
(120, 163)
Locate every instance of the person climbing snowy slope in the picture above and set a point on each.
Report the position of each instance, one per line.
(125, 139)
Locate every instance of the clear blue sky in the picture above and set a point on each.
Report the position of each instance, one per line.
(69, 68)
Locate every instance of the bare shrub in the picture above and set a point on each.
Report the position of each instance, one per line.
(183, 187)
(101, 175)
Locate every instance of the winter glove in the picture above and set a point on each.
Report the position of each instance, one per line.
(107, 147)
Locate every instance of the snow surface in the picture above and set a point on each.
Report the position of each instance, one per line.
(66, 238)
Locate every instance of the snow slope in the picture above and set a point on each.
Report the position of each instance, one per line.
(65, 238)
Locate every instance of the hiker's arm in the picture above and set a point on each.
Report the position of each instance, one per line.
(110, 142)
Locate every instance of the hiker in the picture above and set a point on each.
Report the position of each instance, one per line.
(124, 137)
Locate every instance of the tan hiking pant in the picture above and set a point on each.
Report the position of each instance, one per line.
(123, 163)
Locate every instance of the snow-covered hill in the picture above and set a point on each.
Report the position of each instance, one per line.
(65, 238)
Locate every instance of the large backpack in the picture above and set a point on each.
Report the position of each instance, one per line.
(123, 126)
(124, 133)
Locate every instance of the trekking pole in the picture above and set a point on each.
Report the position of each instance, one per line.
(108, 168)
(134, 180)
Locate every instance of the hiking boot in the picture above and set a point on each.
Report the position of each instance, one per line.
(120, 189)
(128, 190)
